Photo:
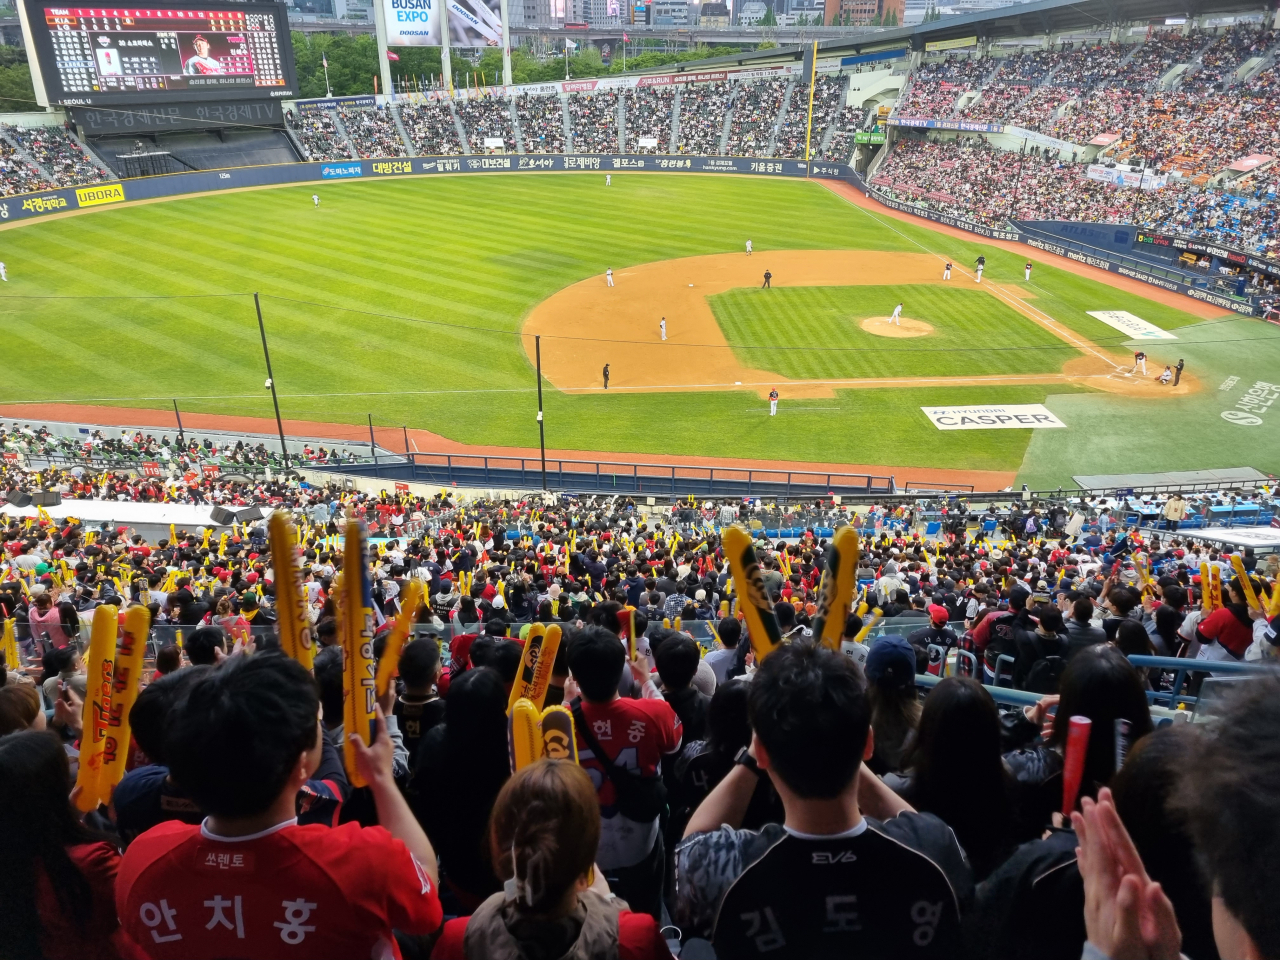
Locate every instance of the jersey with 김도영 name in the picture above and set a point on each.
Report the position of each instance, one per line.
(888, 890)
(315, 892)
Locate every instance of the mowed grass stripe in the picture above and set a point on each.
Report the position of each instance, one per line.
(967, 324)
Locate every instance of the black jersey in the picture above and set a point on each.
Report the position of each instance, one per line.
(887, 890)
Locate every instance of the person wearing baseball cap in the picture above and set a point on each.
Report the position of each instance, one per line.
(937, 638)
(895, 709)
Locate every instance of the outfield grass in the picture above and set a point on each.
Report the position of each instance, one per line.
(401, 299)
(974, 333)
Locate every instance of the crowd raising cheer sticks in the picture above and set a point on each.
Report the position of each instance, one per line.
(355, 628)
(291, 605)
(532, 736)
(835, 594)
(410, 604)
(11, 659)
(762, 627)
(534, 676)
(1073, 761)
(1246, 583)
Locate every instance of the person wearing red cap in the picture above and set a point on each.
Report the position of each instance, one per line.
(936, 635)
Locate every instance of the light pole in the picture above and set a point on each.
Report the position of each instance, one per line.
(271, 382)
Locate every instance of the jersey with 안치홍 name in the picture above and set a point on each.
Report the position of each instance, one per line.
(881, 891)
(292, 891)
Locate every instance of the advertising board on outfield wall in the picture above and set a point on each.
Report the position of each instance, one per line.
(1226, 254)
(147, 188)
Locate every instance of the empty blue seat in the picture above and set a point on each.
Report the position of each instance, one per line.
(931, 529)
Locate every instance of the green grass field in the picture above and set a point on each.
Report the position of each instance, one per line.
(402, 298)
(974, 333)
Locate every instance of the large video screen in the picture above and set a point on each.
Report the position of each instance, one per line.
(91, 56)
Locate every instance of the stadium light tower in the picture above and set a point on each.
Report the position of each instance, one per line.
(271, 382)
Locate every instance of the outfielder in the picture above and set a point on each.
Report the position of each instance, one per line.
(608, 276)
(897, 314)
(608, 179)
(773, 402)
(946, 271)
(1027, 275)
(4, 274)
(981, 262)
(662, 326)
(315, 198)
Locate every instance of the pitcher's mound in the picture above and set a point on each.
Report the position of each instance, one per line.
(881, 327)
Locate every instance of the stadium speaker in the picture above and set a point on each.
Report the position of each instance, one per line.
(248, 516)
(222, 516)
(19, 499)
(46, 498)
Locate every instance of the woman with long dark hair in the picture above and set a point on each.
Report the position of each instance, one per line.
(462, 764)
(953, 769)
(57, 886)
(1101, 684)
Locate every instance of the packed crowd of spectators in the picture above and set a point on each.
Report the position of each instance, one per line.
(541, 123)
(1012, 83)
(755, 112)
(1224, 56)
(717, 793)
(487, 117)
(373, 132)
(18, 175)
(593, 118)
(1156, 56)
(430, 126)
(847, 123)
(108, 448)
(58, 152)
(702, 111)
(648, 114)
(795, 124)
(936, 85)
(318, 134)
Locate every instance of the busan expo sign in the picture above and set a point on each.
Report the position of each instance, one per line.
(1020, 416)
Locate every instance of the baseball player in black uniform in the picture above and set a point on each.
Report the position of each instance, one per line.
(767, 277)
(606, 376)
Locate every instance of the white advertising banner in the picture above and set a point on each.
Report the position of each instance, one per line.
(1019, 416)
(1135, 327)
(1127, 178)
(416, 23)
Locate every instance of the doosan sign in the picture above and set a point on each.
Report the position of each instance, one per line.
(1023, 416)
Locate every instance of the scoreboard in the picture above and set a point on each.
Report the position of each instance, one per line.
(96, 56)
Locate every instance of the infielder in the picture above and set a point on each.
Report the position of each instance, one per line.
(608, 276)
(1140, 360)
(897, 314)
(946, 271)
(748, 248)
(662, 326)
(1027, 275)
(315, 198)
(773, 402)
(981, 262)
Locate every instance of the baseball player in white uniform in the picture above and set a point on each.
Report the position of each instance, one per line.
(748, 248)
(4, 274)
(662, 325)
(1027, 275)
(897, 314)
(315, 198)
(982, 264)
(608, 179)
(946, 271)
(608, 276)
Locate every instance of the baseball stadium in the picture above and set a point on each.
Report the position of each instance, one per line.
(884, 385)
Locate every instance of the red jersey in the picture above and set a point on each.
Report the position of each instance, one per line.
(291, 891)
(638, 939)
(635, 734)
(1223, 625)
(101, 937)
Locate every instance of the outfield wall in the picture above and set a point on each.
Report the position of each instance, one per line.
(27, 206)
